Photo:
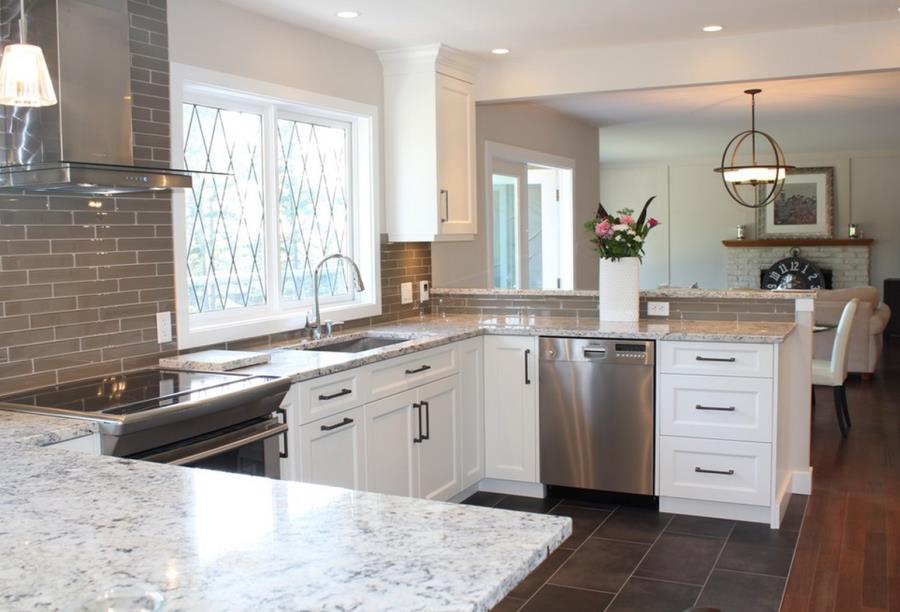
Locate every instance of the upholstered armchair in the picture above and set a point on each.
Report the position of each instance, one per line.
(868, 325)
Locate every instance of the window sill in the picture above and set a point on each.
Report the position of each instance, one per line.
(229, 331)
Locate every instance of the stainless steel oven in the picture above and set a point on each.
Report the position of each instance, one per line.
(255, 448)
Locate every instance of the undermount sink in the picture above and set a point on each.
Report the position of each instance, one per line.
(356, 345)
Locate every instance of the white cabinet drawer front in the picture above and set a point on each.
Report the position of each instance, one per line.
(715, 470)
(326, 396)
(397, 375)
(332, 450)
(717, 359)
(716, 407)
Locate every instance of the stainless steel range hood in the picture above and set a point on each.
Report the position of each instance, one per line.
(83, 145)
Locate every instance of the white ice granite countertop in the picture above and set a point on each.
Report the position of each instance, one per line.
(436, 330)
(74, 525)
(661, 293)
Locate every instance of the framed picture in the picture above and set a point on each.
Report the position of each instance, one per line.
(803, 209)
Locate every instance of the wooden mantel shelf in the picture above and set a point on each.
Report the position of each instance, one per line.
(798, 242)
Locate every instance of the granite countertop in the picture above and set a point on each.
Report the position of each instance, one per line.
(661, 293)
(75, 525)
(431, 331)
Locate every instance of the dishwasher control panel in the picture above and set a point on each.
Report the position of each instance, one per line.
(598, 350)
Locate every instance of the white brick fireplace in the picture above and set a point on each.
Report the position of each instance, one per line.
(848, 260)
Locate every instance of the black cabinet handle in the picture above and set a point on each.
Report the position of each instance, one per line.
(340, 393)
(720, 408)
(283, 454)
(719, 359)
(424, 368)
(346, 421)
(527, 377)
(722, 472)
(427, 407)
(418, 439)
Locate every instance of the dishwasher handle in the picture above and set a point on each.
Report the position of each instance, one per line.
(527, 376)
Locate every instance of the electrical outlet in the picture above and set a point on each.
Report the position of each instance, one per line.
(658, 309)
(163, 327)
(406, 296)
(423, 291)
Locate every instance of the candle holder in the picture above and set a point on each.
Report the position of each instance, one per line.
(740, 232)
(853, 231)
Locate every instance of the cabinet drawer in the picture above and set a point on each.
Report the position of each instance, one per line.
(328, 395)
(715, 470)
(397, 375)
(716, 407)
(716, 359)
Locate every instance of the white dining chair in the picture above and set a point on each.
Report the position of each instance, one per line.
(833, 372)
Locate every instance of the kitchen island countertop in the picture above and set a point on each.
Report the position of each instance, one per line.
(75, 525)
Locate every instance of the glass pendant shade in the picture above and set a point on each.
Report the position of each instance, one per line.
(755, 175)
(24, 77)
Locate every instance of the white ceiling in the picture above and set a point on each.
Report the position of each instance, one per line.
(536, 26)
(838, 113)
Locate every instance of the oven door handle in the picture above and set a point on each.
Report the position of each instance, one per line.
(209, 448)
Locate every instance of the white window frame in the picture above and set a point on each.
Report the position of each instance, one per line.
(190, 84)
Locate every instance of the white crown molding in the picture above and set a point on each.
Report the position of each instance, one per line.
(428, 59)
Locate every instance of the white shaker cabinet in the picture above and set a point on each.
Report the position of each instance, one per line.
(391, 426)
(429, 129)
(438, 453)
(332, 450)
(471, 389)
(511, 408)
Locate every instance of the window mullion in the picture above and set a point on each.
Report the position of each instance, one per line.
(273, 237)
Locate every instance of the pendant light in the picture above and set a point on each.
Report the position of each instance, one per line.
(24, 76)
(766, 180)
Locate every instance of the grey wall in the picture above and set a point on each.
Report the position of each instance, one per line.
(699, 214)
(530, 126)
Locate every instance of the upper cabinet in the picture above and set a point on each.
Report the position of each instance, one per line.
(429, 129)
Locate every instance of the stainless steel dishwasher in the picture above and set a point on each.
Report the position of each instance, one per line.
(597, 414)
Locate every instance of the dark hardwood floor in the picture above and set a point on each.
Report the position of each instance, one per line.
(848, 556)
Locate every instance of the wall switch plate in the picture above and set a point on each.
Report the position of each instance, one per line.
(658, 309)
(423, 291)
(163, 327)
(406, 293)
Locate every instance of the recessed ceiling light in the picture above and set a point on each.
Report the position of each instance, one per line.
(713, 28)
(348, 14)
(500, 51)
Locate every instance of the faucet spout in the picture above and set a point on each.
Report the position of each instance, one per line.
(316, 325)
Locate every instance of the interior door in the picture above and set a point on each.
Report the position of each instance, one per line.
(508, 186)
(391, 465)
(438, 452)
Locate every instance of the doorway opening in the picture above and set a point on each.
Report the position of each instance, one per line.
(531, 219)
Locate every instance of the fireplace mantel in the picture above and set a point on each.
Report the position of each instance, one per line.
(798, 242)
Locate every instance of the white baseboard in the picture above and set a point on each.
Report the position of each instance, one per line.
(711, 509)
(464, 494)
(801, 481)
(513, 487)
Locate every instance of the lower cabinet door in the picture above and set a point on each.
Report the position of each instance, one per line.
(391, 425)
(438, 452)
(332, 450)
(471, 389)
(715, 470)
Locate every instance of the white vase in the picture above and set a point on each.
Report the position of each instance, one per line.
(620, 285)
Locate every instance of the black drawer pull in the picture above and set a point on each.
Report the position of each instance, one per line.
(418, 439)
(722, 472)
(346, 421)
(340, 393)
(719, 408)
(719, 359)
(424, 368)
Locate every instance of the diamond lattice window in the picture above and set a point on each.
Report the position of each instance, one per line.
(313, 207)
(224, 212)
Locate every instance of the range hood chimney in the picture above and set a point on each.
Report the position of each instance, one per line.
(83, 145)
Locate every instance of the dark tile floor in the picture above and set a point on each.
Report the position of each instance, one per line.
(622, 558)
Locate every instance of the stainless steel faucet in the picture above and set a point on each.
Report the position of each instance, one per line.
(316, 325)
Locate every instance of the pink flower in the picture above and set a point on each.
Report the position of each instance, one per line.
(603, 229)
(652, 222)
(627, 220)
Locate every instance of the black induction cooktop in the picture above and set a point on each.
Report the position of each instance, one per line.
(134, 392)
